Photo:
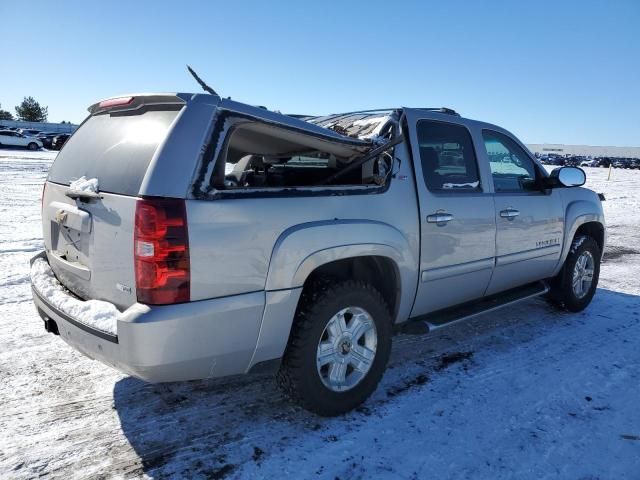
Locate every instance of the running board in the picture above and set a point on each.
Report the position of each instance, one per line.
(448, 316)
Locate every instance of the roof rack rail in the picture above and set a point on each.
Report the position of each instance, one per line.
(448, 111)
(372, 110)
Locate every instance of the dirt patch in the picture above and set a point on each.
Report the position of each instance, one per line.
(257, 454)
(222, 472)
(419, 380)
(449, 359)
(612, 252)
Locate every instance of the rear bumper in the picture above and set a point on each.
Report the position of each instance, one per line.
(195, 340)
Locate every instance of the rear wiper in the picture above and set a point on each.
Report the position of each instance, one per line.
(371, 154)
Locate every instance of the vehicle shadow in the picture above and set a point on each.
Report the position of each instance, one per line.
(208, 429)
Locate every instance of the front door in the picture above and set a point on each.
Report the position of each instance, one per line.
(529, 221)
(457, 240)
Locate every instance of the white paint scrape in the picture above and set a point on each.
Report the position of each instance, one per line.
(94, 313)
(374, 135)
(84, 184)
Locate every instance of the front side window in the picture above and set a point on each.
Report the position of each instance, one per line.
(511, 168)
(448, 160)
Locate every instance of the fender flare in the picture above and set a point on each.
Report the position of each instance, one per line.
(301, 249)
(578, 213)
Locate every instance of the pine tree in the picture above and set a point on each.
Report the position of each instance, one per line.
(4, 115)
(31, 111)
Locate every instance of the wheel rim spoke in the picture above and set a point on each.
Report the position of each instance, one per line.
(334, 329)
(363, 357)
(326, 354)
(360, 327)
(338, 373)
(576, 282)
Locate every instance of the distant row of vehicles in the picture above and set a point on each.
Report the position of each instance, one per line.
(580, 161)
(31, 138)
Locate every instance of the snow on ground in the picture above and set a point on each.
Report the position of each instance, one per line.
(98, 314)
(525, 392)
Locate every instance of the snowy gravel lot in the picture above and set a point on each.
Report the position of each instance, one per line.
(525, 392)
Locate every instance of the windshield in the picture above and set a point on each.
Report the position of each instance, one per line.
(115, 149)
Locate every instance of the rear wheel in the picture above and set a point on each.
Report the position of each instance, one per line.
(339, 347)
(32, 146)
(576, 283)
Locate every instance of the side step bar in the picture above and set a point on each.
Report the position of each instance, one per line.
(448, 316)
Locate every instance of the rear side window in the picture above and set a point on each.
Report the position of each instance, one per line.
(115, 149)
(448, 160)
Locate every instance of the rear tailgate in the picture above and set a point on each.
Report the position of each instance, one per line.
(89, 241)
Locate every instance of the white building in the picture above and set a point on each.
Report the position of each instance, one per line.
(584, 150)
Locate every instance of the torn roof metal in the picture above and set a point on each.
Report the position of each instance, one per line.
(288, 121)
(365, 125)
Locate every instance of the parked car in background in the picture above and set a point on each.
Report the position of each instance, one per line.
(47, 139)
(620, 163)
(30, 132)
(573, 161)
(59, 140)
(15, 139)
(589, 163)
(634, 163)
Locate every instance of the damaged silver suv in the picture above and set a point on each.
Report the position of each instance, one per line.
(189, 236)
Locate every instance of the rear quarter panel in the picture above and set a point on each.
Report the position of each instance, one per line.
(232, 241)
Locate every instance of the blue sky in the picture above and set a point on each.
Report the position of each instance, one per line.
(549, 71)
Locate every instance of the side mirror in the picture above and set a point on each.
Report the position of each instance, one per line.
(568, 177)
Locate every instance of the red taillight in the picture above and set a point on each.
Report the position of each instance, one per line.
(115, 102)
(161, 251)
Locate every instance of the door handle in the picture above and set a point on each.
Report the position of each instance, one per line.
(509, 213)
(439, 218)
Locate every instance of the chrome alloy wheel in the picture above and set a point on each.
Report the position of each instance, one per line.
(346, 349)
(583, 274)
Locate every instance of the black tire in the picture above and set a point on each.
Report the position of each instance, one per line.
(298, 376)
(562, 292)
(32, 146)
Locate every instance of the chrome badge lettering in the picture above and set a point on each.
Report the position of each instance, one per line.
(547, 243)
(123, 288)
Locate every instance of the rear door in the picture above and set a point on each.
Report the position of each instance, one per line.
(89, 242)
(457, 240)
(530, 221)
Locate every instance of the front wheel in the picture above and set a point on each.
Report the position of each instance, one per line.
(339, 347)
(32, 146)
(576, 283)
